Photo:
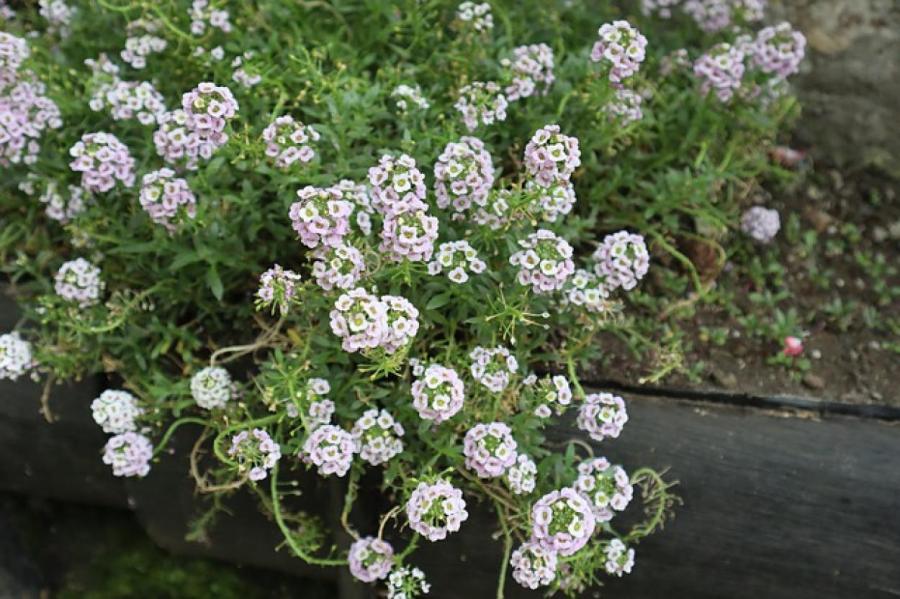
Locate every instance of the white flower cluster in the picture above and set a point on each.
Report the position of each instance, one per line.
(15, 356)
(585, 289)
(478, 14)
(522, 475)
(619, 558)
(116, 411)
(377, 436)
(78, 281)
(63, 208)
(141, 42)
(457, 258)
(407, 97)
(211, 387)
(407, 583)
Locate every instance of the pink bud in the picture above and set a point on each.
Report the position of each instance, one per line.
(793, 346)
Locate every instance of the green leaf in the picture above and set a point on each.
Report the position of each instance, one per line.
(438, 301)
(215, 282)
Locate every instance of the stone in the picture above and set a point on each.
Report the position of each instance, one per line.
(813, 381)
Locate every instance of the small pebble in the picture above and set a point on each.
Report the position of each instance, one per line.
(812, 381)
(879, 234)
(816, 354)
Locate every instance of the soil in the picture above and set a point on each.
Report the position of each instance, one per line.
(847, 313)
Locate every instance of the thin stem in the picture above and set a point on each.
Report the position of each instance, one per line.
(507, 549)
(171, 430)
(288, 535)
(385, 518)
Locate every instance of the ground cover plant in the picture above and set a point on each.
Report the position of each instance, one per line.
(378, 237)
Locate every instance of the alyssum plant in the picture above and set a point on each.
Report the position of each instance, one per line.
(387, 193)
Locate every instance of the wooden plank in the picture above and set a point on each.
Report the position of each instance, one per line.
(774, 507)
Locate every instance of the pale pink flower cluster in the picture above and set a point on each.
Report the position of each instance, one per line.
(245, 73)
(398, 186)
(377, 436)
(402, 323)
(552, 201)
(78, 281)
(102, 160)
(438, 393)
(545, 261)
(522, 476)
(457, 258)
(551, 157)
(463, 175)
(495, 214)
(562, 521)
(585, 289)
(370, 559)
(63, 208)
(289, 141)
(116, 411)
(365, 321)
(58, 15)
(489, 449)
(606, 486)
(330, 449)
(212, 387)
(720, 70)
(359, 319)
(761, 223)
(255, 451)
(203, 14)
(778, 50)
(180, 145)
(277, 288)
(358, 195)
(129, 454)
(533, 565)
(15, 356)
(435, 510)
(13, 52)
(25, 112)
(554, 394)
(619, 558)
(716, 15)
(675, 61)
(141, 42)
(478, 14)
(602, 416)
(621, 48)
(531, 71)
(409, 235)
(321, 216)
(493, 367)
(129, 100)
(209, 109)
(621, 260)
(662, 8)
(310, 400)
(340, 266)
(624, 107)
(482, 103)
(167, 199)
